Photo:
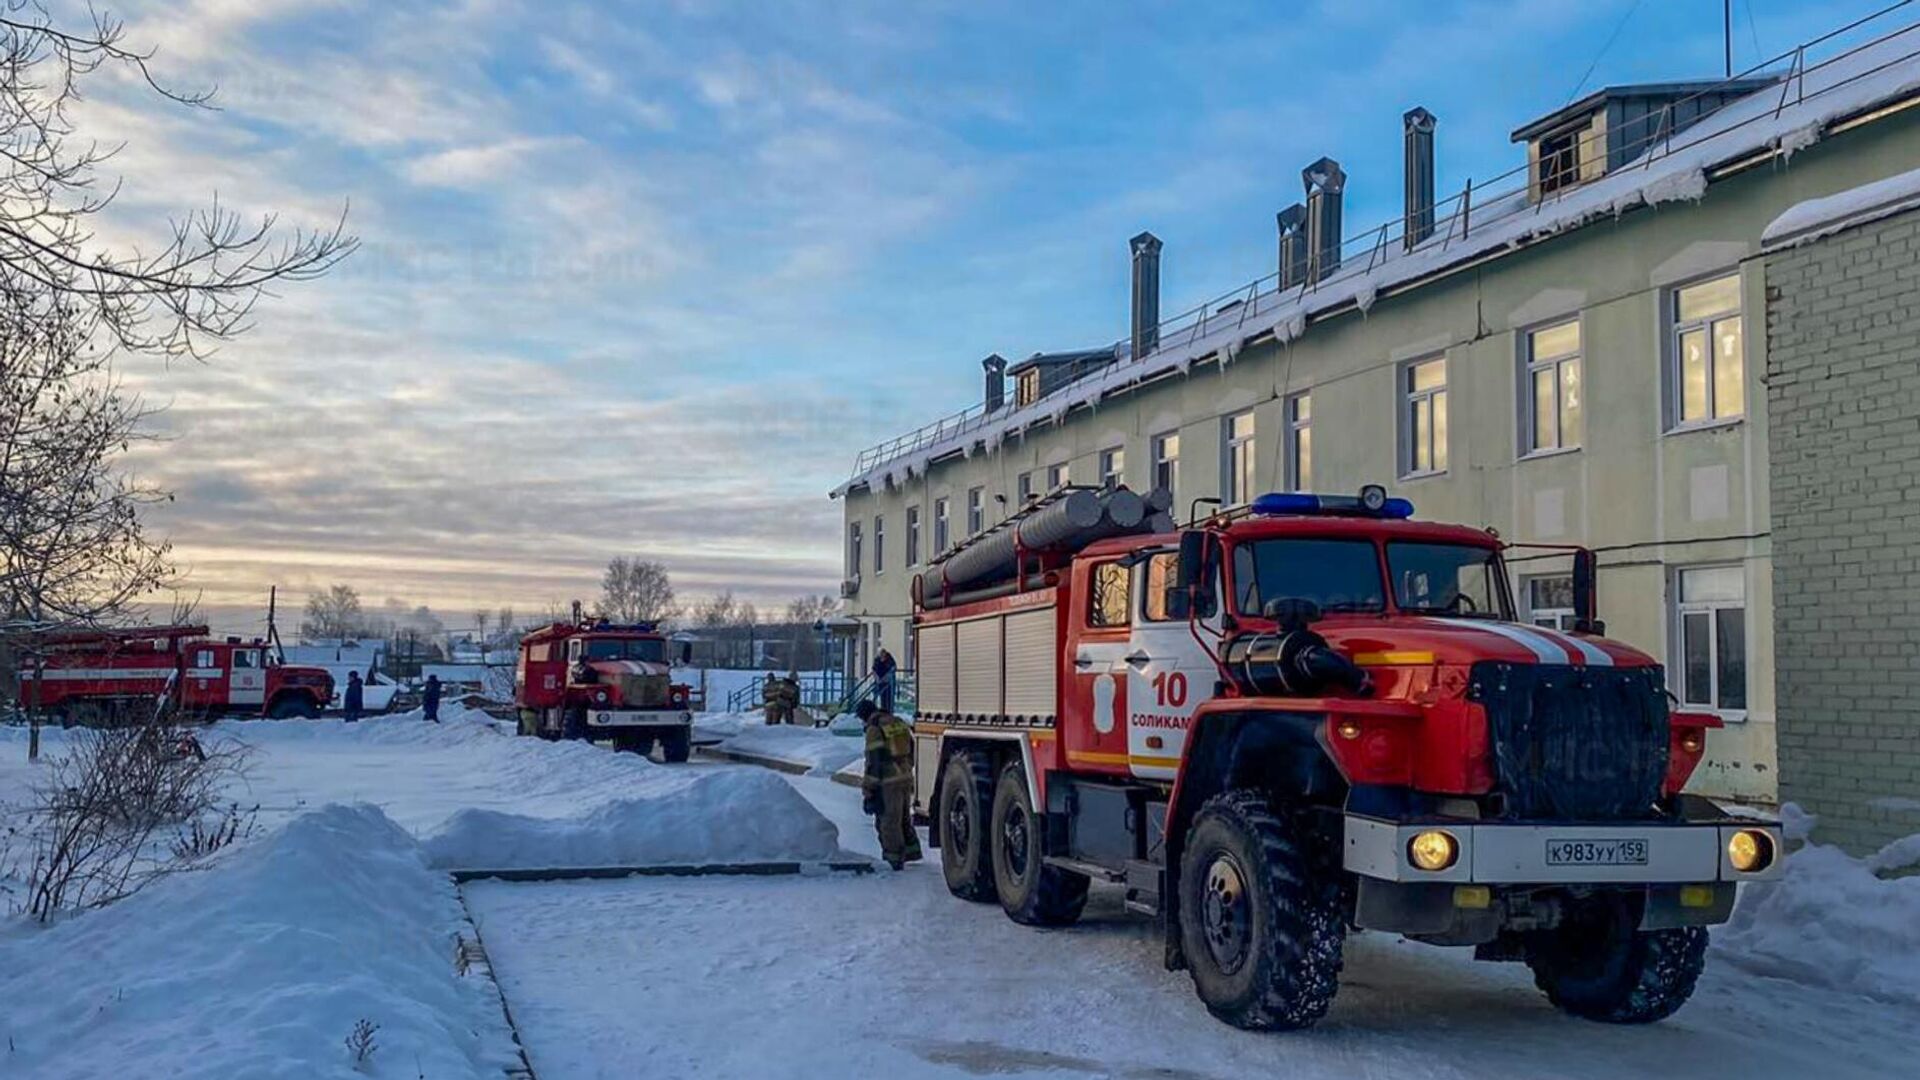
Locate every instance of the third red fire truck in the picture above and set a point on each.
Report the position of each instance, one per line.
(1309, 715)
(105, 676)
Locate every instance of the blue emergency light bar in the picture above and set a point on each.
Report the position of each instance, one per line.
(1371, 502)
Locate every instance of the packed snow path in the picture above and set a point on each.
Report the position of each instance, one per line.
(887, 975)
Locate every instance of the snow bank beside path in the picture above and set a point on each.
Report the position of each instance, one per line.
(259, 967)
(1833, 921)
(819, 750)
(731, 816)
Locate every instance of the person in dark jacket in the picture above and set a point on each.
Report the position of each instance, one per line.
(883, 674)
(430, 698)
(888, 784)
(354, 697)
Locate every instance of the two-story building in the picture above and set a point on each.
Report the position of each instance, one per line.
(1571, 353)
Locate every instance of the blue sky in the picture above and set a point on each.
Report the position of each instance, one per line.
(642, 278)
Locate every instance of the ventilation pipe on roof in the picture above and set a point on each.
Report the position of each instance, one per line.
(1146, 293)
(995, 367)
(1419, 176)
(1324, 182)
(1293, 246)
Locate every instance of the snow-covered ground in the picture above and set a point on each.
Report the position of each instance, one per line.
(818, 750)
(260, 965)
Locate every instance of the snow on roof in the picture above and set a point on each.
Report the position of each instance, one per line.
(1786, 117)
(1815, 218)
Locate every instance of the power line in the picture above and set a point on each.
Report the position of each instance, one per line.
(1611, 38)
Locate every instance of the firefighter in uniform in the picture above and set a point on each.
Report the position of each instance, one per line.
(774, 695)
(888, 784)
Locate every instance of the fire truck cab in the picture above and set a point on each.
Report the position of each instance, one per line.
(112, 675)
(600, 681)
(1308, 715)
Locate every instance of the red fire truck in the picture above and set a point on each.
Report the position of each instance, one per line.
(1309, 715)
(87, 676)
(598, 681)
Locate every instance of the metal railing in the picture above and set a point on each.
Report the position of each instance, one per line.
(1478, 206)
(829, 691)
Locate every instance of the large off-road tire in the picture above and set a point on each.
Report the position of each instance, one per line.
(631, 742)
(1259, 926)
(1031, 892)
(965, 800)
(676, 746)
(293, 707)
(1597, 966)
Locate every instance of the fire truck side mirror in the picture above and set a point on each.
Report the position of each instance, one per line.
(1585, 575)
(1190, 579)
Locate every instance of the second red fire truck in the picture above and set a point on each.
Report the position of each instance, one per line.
(108, 676)
(1305, 716)
(600, 681)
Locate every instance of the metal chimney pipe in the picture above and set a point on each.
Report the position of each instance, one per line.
(1324, 182)
(1419, 177)
(1146, 293)
(1293, 246)
(995, 367)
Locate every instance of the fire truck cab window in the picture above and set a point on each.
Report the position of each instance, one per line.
(625, 649)
(1112, 595)
(1448, 579)
(203, 658)
(244, 658)
(1338, 575)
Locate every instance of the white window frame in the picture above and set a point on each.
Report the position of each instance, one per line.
(1408, 399)
(855, 550)
(1676, 378)
(1558, 363)
(1681, 608)
(1556, 617)
(1113, 466)
(1299, 434)
(942, 526)
(913, 536)
(1239, 459)
(1166, 466)
(1023, 487)
(1059, 475)
(976, 510)
(879, 544)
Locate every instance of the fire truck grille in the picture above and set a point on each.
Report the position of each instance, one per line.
(1575, 742)
(645, 691)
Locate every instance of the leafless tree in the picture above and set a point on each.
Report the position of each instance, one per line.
(636, 590)
(72, 546)
(334, 613)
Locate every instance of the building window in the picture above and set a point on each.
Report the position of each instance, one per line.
(1057, 476)
(911, 654)
(976, 510)
(942, 535)
(879, 544)
(1237, 459)
(1113, 463)
(1111, 595)
(1166, 464)
(1709, 354)
(853, 549)
(913, 536)
(1024, 486)
(1712, 617)
(1300, 442)
(1560, 159)
(1551, 391)
(1026, 387)
(1550, 601)
(1423, 416)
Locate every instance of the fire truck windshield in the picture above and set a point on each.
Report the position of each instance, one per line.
(1449, 579)
(625, 649)
(1338, 575)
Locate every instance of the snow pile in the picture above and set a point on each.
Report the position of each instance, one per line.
(819, 749)
(1835, 921)
(702, 818)
(1815, 218)
(259, 967)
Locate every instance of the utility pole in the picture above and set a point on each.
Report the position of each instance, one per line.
(1726, 25)
(273, 629)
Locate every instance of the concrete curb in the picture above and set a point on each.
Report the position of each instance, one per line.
(474, 955)
(584, 873)
(797, 768)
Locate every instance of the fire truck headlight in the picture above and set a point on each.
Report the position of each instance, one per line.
(1432, 850)
(599, 697)
(1750, 851)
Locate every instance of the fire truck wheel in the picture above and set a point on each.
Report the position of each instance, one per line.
(1261, 935)
(1030, 891)
(677, 746)
(966, 794)
(1597, 966)
(633, 744)
(292, 707)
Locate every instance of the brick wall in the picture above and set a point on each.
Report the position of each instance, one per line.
(1843, 400)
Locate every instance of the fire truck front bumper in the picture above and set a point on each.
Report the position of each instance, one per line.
(610, 719)
(1503, 853)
